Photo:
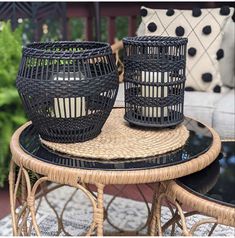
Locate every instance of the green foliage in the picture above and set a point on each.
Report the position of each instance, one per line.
(77, 25)
(11, 110)
(122, 27)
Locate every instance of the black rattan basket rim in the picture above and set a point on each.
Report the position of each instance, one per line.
(155, 40)
(45, 49)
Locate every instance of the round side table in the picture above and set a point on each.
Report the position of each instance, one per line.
(30, 156)
(210, 192)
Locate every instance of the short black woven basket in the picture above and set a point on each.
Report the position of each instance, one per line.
(154, 78)
(68, 88)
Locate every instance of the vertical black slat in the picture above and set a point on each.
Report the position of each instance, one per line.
(21, 67)
(157, 97)
(99, 66)
(178, 94)
(47, 62)
(74, 70)
(166, 89)
(89, 67)
(79, 69)
(104, 64)
(162, 81)
(81, 105)
(180, 104)
(25, 75)
(58, 69)
(86, 68)
(167, 82)
(180, 91)
(63, 66)
(86, 75)
(149, 89)
(75, 107)
(36, 72)
(67, 64)
(53, 62)
(140, 109)
(83, 69)
(79, 75)
(174, 114)
(94, 60)
(73, 98)
(64, 107)
(150, 108)
(32, 68)
(59, 109)
(42, 69)
(177, 104)
(109, 63)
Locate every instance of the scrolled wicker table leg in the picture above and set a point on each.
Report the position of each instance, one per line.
(12, 189)
(100, 209)
(22, 181)
(153, 220)
(204, 221)
(21, 184)
(179, 215)
(157, 214)
(31, 198)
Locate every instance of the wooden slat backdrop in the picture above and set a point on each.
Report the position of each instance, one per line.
(91, 12)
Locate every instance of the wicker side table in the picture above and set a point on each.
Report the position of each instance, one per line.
(209, 192)
(29, 156)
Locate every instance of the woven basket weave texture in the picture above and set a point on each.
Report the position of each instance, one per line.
(68, 88)
(154, 78)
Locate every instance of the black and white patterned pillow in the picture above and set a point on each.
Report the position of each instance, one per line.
(204, 29)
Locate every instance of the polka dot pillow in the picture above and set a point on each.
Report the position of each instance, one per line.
(204, 30)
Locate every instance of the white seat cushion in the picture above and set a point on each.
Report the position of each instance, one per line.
(120, 96)
(201, 105)
(224, 116)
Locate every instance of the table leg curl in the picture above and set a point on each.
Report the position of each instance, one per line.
(27, 207)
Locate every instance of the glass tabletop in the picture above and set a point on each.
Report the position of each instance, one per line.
(199, 141)
(217, 181)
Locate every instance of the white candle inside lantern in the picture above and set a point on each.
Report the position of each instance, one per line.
(69, 107)
(154, 92)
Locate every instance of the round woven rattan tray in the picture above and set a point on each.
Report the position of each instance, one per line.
(71, 176)
(120, 141)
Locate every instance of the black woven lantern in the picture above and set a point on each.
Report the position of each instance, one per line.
(68, 88)
(154, 80)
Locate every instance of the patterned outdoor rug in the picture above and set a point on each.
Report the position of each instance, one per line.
(125, 214)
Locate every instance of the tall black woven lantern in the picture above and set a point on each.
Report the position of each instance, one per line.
(154, 80)
(68, 88)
